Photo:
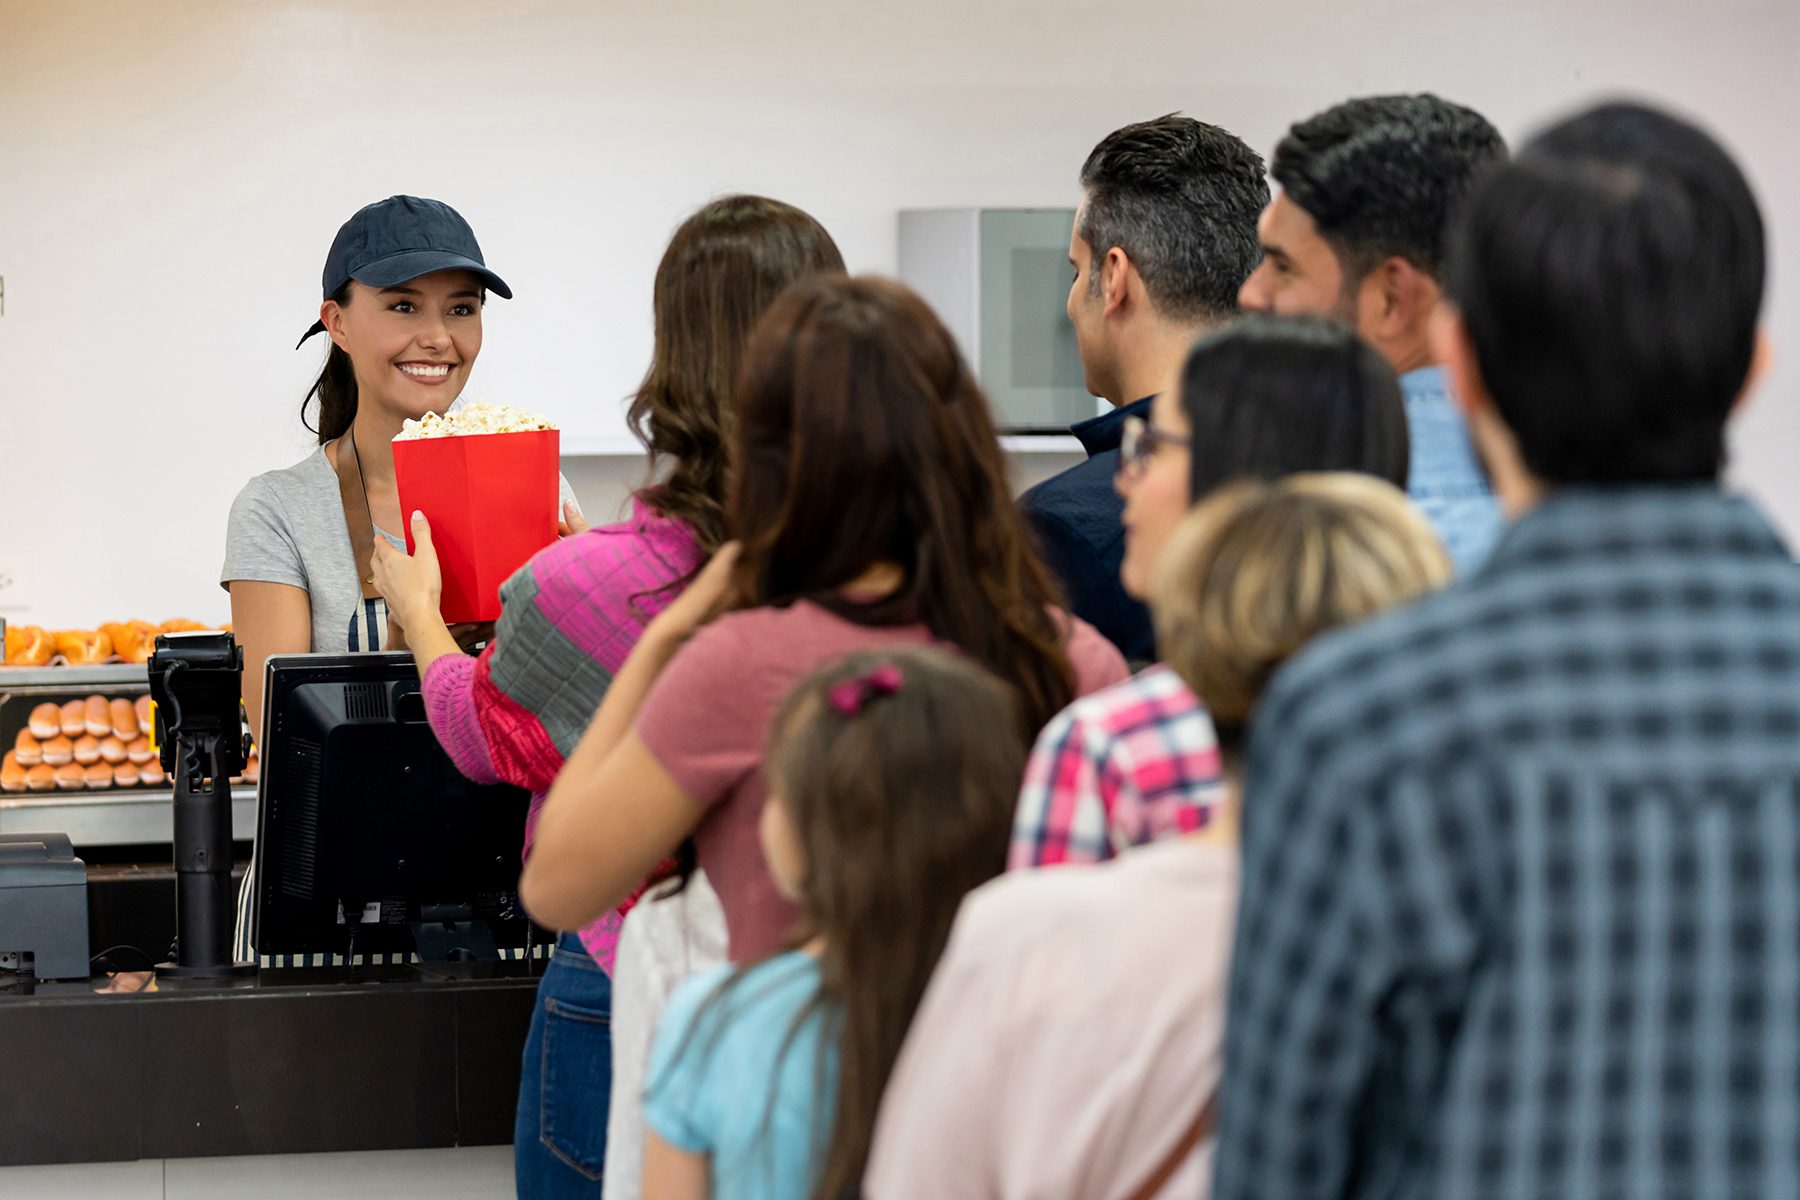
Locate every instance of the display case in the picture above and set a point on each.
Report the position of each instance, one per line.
(97, 817)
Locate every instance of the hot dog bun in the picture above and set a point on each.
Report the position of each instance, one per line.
(141, 706)
(99, 716)
(27, 749)
(138, 750)
(151, 774)
(74, 718)
(58, 750)
(12, 774)
(41, 778)
(98, 776)
(87, 749)
(125, 774)
(46, 720)
(112, 750)
(124, 720)
(71, 778)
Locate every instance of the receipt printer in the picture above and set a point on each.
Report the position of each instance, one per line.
(43, 907)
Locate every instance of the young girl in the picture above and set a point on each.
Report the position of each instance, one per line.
(1263, 398)
(570, 616)
(871, 502)
(1071, 1040)
(890, 784)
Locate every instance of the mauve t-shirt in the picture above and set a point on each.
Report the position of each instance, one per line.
(707, 718)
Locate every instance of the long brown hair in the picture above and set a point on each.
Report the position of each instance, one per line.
(863, 438)
(723, 268)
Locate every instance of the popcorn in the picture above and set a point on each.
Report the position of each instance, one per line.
(472, 419)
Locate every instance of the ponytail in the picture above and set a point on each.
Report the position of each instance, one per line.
(335, 389)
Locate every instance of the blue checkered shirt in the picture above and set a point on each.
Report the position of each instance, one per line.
(1521, 906)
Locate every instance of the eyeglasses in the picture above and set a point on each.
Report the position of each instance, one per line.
(1141, 442)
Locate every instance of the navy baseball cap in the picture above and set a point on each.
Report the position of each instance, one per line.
(402, 238)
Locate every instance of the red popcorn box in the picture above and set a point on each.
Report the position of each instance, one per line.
(491, 499)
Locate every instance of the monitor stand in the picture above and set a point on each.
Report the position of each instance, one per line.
(451, 933)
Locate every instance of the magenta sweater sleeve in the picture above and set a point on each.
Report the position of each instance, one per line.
(449, 690)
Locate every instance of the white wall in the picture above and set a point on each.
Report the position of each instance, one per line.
(171, 175)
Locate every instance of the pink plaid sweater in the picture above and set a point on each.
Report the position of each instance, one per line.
(1135, 763)
(568, 619)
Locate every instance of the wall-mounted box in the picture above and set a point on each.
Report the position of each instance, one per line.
(999, 278)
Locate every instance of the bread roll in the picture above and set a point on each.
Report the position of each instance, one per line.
(151, 774)
(83, 646)
(87, 749)
(46, 720)
(124, 720)
(112, 750)
(142, 707)
(182, 625)
(133, 641)
(74, 718)
(99, 716)
(125, 774)
(41, 778)
(252, 768)
(138, 750)
(58, 750)
(12, 774)
(28, 646)
(98, 776)
(27, 749)
(71, 777)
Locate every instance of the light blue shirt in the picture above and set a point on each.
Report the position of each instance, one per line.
(1445, 480)
(731, 1077)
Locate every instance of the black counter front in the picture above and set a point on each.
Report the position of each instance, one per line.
(292, 1061)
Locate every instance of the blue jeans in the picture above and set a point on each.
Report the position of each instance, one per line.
(565, 1084)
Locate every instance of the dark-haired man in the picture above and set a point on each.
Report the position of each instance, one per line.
(1357, 233)
(1165, 235)
(1521, 875)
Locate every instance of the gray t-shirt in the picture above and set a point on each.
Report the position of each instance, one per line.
(288, 527)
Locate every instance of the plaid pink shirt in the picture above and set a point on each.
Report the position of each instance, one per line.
(1134, 763)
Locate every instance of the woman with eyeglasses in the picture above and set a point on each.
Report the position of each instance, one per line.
(1263, 398)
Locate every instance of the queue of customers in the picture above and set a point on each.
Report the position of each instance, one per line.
(1374, 772)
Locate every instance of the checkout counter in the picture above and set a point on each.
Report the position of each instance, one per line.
(127, 1064)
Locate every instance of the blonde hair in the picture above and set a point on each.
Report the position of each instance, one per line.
(1257, 570)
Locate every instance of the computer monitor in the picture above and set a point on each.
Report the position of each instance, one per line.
(370, 845)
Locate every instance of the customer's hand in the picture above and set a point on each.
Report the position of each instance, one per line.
(700, 601)
(571, 522)
(412, 583)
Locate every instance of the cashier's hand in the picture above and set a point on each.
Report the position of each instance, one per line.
(571, 522)
(411, 583)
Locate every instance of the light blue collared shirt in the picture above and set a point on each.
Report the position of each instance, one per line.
(1445, 480)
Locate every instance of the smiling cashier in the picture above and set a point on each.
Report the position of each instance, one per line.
(404, 285)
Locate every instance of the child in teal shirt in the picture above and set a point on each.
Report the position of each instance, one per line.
(892, 777)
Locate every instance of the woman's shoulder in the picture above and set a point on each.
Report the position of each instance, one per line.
(301, 481)
(1056, 918)
(1154, 696)
(1096, 660)
(641, 554)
